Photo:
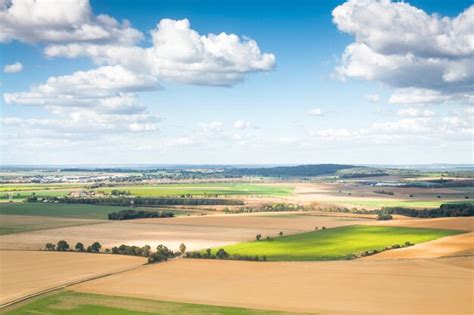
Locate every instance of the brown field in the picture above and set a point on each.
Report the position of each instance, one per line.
(462, 245)
(195, 232)
(344, 287)
(454, 223)
(27, 272)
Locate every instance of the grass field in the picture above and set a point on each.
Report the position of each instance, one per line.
(10, 224)
(74, 303)
(201, 189)
(77, 211)
(334, 244)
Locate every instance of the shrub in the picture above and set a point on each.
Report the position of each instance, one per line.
(50, 246)
(281, 233)
(182, 248)
(222, 254)
(258, 237)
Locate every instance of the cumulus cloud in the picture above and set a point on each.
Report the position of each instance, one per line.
(13, 68)
(181, 54)
(416, 112)
(108, 89)
(408, 48)
(34, 21)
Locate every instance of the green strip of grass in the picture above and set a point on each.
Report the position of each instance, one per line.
(334, 244)
(74, 303)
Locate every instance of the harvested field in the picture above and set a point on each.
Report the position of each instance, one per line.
(26, 272)
(448, 246)
(22, 223)
(195, 232)
(453, 223)
(344, 287)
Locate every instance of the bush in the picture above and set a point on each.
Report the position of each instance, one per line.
(258, 237)
(384, 216)
(222, 254)
(182, 248)
(95, 247)
(281, 233)
(50, 246)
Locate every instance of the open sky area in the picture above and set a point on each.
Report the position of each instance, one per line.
(222, 82)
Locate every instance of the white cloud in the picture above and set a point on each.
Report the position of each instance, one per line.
(241, 124)
(373, 98)
(316, 112)
(407, 48)
(211, 127)
(108, 89)
(416, 112)
(33, 21)
(13, 68)
(180, 54)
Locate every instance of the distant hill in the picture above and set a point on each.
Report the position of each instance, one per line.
(290, 171)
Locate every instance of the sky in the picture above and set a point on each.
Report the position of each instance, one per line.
(236, 82)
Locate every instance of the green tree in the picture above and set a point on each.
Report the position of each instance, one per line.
(50, 246)
(258, 237)
(222, 254)
(62, 246)
(79, 247)
(182, 248)
(95, 247)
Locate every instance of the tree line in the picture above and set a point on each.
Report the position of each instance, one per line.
(445, 210)
(138, 214)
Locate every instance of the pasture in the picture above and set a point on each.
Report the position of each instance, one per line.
(203, 189)
(334, 244)
(331, 287)
(73, 211)
(74, 303)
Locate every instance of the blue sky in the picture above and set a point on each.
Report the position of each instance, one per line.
(296, 99)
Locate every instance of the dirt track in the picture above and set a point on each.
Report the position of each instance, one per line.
(24, 273)
(351, 287)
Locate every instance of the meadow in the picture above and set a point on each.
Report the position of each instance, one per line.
(74, 303)
(202, 189)
(335, 243)
(76, 211)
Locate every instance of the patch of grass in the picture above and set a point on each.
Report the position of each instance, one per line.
(77, 211)
(10, 224)
(202, 189)
(334, 244)
(75, 303)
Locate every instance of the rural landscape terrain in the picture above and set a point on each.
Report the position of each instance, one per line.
(236, 157)
(237, 240)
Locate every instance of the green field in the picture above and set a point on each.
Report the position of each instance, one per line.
(201, 189)
(74, 303)
(78, 211)
(334, 244)
(10, 224)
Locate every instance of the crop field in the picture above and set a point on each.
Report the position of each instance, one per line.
(10, 224)
(379, 203)
(78, 211)
(28, 272)
(196, 232)
(74, 303)
(330, 287)
(220, 189)
(334, 244)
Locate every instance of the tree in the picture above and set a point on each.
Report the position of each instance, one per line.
(95, 247)
(79, 247)
(62, 246)
(258, 237)
(281, 233)
(208, 252)
(50, 246)
(222, 254)
(182, 248)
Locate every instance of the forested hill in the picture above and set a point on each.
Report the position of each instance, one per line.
(290, 171)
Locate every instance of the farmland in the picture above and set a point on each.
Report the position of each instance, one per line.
(10, 224)
(334, 244)
(75, 303)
